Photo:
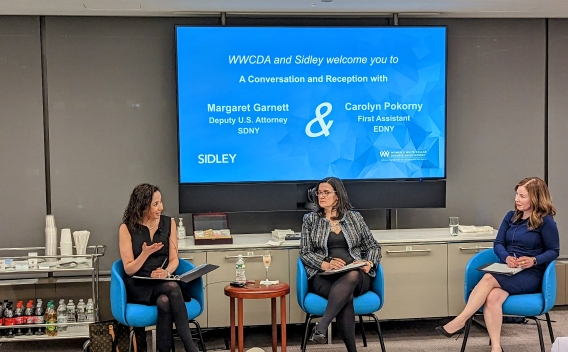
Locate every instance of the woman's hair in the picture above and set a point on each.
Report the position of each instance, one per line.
(540, 201)
(139, 202)
(342, 205)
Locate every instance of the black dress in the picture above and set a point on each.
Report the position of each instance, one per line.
(137, 290)
(338, 248)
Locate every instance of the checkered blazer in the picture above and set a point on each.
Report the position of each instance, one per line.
(315, 231)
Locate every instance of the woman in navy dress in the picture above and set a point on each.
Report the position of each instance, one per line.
(527, 238)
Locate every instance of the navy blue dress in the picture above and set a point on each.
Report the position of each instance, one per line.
(515, 238)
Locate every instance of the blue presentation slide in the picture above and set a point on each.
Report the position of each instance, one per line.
(301, 104)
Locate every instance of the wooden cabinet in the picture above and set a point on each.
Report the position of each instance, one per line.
(257, 312)
(198, 259)
(458, 256)
(415, 281)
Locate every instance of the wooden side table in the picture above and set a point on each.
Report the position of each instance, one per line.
(257, 291)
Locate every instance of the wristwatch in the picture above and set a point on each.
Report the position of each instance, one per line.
(534, 260)
(327, 259)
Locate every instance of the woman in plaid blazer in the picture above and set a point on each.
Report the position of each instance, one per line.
(333, 236)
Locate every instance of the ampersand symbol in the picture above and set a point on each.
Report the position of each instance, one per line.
(319, 119)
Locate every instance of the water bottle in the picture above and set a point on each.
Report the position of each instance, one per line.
(39, 318)
(241, 277)
(81, 313)
(90, 311)
(62, 316)
(71, 314)
(181, 230)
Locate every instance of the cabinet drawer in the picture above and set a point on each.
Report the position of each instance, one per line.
(256, 312)
(415, 281)
(458, 256)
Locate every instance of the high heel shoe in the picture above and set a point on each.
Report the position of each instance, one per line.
(317, 336)
(443, 331)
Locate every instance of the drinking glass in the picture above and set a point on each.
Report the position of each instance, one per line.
(454, 223)
(266, 259)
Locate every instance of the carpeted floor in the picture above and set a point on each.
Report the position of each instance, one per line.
(407, 336)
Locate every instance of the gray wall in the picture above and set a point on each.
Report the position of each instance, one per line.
(112, 116)
(22, 166)
(558, 123)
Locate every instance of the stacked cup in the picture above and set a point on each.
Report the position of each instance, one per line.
(50, 237)
(66, 244)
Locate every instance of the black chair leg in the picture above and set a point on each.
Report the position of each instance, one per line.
(307, 323)
(130, 337)
(363, 331)
(540, 337)
(201, 340)
(383, 349)
(549, 323)
(466, 333)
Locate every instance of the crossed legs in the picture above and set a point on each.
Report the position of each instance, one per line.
(340, 304)
(487, 293)
(171, 308)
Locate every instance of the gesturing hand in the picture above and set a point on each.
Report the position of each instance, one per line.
(153, 248)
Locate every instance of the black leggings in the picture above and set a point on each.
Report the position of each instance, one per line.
(339, 290)
(171, 308)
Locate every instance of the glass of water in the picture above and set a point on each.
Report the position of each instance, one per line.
(454, 223)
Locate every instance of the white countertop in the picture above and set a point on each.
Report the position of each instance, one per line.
(384, 237)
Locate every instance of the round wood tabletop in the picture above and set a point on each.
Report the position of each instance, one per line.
(257, 291)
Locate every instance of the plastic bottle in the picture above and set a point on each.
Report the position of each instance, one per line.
(29, 315)
(62, 316)
(9, 319)
(19, 318)
(181, 230)
(39, 318)
(50, 318)
(240, 266)
(90, 311)
(71, 310)
(81, 313)
(2, 331)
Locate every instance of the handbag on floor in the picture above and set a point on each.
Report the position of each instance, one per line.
(111, 336)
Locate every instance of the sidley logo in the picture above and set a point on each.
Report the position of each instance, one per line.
(320, 119)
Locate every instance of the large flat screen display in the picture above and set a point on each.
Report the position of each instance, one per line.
(273, 104)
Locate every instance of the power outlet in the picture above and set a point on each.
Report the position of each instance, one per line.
(408, 248)
(250, 253)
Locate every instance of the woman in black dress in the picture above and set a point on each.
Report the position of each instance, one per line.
(148, 247)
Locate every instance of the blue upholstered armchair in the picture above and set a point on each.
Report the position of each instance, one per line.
(365, 305)
(140, 315)
(528, 305)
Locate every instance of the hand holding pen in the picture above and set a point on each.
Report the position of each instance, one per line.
(512, 261)
(161, 272)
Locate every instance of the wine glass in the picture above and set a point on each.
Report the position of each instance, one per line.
(266, 259)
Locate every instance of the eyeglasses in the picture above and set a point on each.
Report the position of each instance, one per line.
(324, 193)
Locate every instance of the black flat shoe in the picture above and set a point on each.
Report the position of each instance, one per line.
(318, 337)
(443, 331)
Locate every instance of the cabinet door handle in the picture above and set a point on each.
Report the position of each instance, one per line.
(187, 258)
(473, 248)
(411, 251)
(244, 256)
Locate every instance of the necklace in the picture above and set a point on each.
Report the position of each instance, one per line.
(155, 223)
(335, 226)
